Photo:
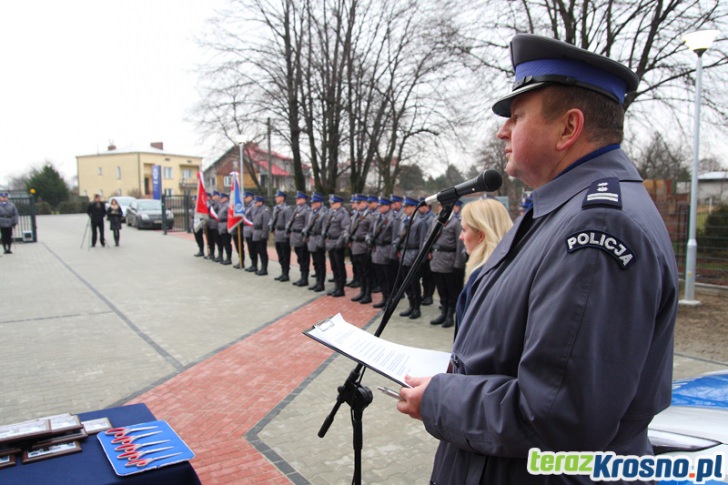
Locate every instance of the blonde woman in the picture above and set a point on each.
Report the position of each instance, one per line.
(484, 223)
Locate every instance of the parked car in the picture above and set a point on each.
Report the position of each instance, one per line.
(147, 213)
(695, 426)
(124, 203)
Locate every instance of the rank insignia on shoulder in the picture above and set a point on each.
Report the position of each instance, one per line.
(604, 192)
(601, 240)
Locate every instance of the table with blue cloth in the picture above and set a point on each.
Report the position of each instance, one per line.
(91, 466)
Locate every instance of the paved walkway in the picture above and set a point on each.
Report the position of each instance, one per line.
(216, 352)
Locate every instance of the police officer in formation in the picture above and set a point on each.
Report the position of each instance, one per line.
(250, 208)
(278, 226)
(411, 239)
(295, 227)
(444, 253)
(212, 226)
(261, 218)
(336, 235)
(380, 240)
(313, 234)
(224, 245)
(428, 281)
(361, 222)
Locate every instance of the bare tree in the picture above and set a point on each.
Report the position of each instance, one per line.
(645, 35)
(663, 160)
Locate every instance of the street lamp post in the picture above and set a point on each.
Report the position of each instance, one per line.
(698, 42)
(241, 142)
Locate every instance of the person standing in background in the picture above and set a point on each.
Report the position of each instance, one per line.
(114, 214)
(8, 221)
(97, 213)
(442, 264)
(484, 223)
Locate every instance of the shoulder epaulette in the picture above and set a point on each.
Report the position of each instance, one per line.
(604, 192)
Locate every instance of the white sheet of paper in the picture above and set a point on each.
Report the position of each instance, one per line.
(390, 359)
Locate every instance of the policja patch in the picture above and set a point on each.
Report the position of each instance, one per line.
(601, 240)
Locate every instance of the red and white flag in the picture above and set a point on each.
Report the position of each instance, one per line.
(201, 212)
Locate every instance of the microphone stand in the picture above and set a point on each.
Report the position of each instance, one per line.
(358, 397)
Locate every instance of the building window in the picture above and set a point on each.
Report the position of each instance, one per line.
(167, 173)
(118, 173)
(227, 181)
(186, 173)
(101, 172)
(167, 192)
(118, 191)
(101, 192)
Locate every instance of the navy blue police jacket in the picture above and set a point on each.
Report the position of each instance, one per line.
(566, 339)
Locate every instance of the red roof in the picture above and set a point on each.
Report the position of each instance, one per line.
(277, 171)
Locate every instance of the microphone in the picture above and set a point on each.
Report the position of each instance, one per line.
(488, 181)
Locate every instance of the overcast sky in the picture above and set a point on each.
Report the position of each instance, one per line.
(77, 74)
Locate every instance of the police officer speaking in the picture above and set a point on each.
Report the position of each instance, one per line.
(564, 336)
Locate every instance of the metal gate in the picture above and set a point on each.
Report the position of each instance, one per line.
(26, 230)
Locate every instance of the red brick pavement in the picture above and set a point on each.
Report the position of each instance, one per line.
(214, 403)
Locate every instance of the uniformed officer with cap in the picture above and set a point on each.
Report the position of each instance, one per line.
(315, 239)
(250, 209)
(260, 233)
(442, 265)
(428, 279)
(295, 228)
(360, 224)
(212, 235)
(411, 239)
(564, 336)
(278, 226)
(380, 240)
(224, 245)
(336, 236)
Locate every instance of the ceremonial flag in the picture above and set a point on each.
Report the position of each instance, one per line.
(236, 208)
(201, 212)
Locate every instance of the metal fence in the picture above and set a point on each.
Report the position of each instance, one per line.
(26, 230)
(712, 237)
(182, 209)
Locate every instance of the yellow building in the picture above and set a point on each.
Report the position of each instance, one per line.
(130, 172)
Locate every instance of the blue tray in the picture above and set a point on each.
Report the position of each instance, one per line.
(165, 433)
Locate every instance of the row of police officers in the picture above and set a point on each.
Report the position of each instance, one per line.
(382, 235)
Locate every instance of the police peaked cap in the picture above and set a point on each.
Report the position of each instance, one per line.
(248, 193)
(372, 198)
(410, 201)
(542, 61)
(396, 198)
(223, 194)
(316, 197)
(214, 193)
(335, 198)
(259, 198)
(280, 193)
(301, 195)
(384, 201)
